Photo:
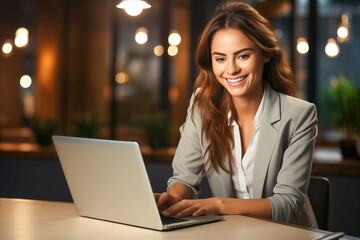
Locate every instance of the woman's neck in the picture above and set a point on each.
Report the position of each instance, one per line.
(246, 107)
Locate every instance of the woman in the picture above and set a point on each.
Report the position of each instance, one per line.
(244, 131)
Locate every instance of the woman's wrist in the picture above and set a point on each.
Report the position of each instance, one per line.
(257, 207)
(221, 204)
(177, 197)
(179, 191)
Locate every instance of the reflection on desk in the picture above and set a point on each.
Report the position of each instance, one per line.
(33, 219)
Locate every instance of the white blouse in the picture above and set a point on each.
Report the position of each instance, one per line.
(243, 173)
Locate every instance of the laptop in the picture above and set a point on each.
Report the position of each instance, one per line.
(108, 181)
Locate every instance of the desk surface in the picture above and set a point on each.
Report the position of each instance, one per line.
(33, 219)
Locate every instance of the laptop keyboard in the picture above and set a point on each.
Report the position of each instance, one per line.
(169, 220)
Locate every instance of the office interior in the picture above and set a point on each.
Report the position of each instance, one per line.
(87, 68)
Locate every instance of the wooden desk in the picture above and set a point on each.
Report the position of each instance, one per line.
(33, 219)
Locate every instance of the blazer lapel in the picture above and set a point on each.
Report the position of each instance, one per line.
(220, 182)
(225, 181)
(267, 138)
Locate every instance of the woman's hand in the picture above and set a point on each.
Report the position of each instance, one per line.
(195, 207)
(176, 193)
(172, 205)
(165, 200)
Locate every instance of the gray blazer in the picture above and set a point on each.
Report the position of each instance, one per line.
(283, 158)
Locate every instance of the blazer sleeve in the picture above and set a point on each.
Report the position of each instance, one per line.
(188, 162)
(290, 192)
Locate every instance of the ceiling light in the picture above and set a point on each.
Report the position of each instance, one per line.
(133, 7)
(332, 48)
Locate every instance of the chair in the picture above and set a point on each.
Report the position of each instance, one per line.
(319, 196)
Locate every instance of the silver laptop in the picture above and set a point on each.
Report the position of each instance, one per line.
(108, 181)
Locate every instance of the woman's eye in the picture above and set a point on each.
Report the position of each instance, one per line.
(243, 56)
(220, 59)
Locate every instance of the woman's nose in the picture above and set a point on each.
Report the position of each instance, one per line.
(232, 68)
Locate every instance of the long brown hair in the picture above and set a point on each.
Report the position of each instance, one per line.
(212, 98)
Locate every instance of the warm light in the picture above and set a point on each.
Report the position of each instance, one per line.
(22, 31)
(21, 41)
(25, 81)
(7, 47)
(345, 19)
(174, 38)
(158, 50)
(342, 32)
(343, 29)
(29, 104)
(133, 11)
(141, 36)
(21, 37)
(173, 94)
(172, 50)
(302, 45)
(332, 48)
(122, 78)
(133, 7)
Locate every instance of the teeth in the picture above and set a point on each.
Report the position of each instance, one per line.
(235, 80)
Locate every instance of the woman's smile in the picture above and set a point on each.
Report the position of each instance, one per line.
(235, 80)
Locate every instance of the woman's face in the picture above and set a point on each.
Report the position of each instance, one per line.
(237, 63)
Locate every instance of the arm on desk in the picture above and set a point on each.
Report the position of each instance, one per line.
(177, 202)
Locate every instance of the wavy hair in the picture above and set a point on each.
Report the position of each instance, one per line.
(212, 98)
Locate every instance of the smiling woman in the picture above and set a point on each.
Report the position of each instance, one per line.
(252, 140)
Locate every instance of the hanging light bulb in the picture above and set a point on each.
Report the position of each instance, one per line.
(158, 50)
(174, 38)
(343, 29)
(141, 35)
(21, 37)
(133, 7)
(7, 47)
(302, 45)
(25, 81)
(342, 32)
(122, 78)
(173, 50)
(332, 48)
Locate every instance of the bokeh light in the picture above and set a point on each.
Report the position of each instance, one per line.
(25, 81)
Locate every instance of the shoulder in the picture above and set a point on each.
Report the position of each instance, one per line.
(193, 118)
(297, 114)
(281, 106)
(194, 110)
(294, 102)
(288, 104)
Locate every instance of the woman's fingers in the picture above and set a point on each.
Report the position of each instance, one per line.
(161, 199)
(200, 212)
(156, 196)
(194, 207)
(183, 208)
(188, 211)
(165, 200)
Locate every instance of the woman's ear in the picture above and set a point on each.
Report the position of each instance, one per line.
(266, 58)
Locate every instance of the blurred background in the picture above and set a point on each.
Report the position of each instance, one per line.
(89, 62)
(89, 68)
